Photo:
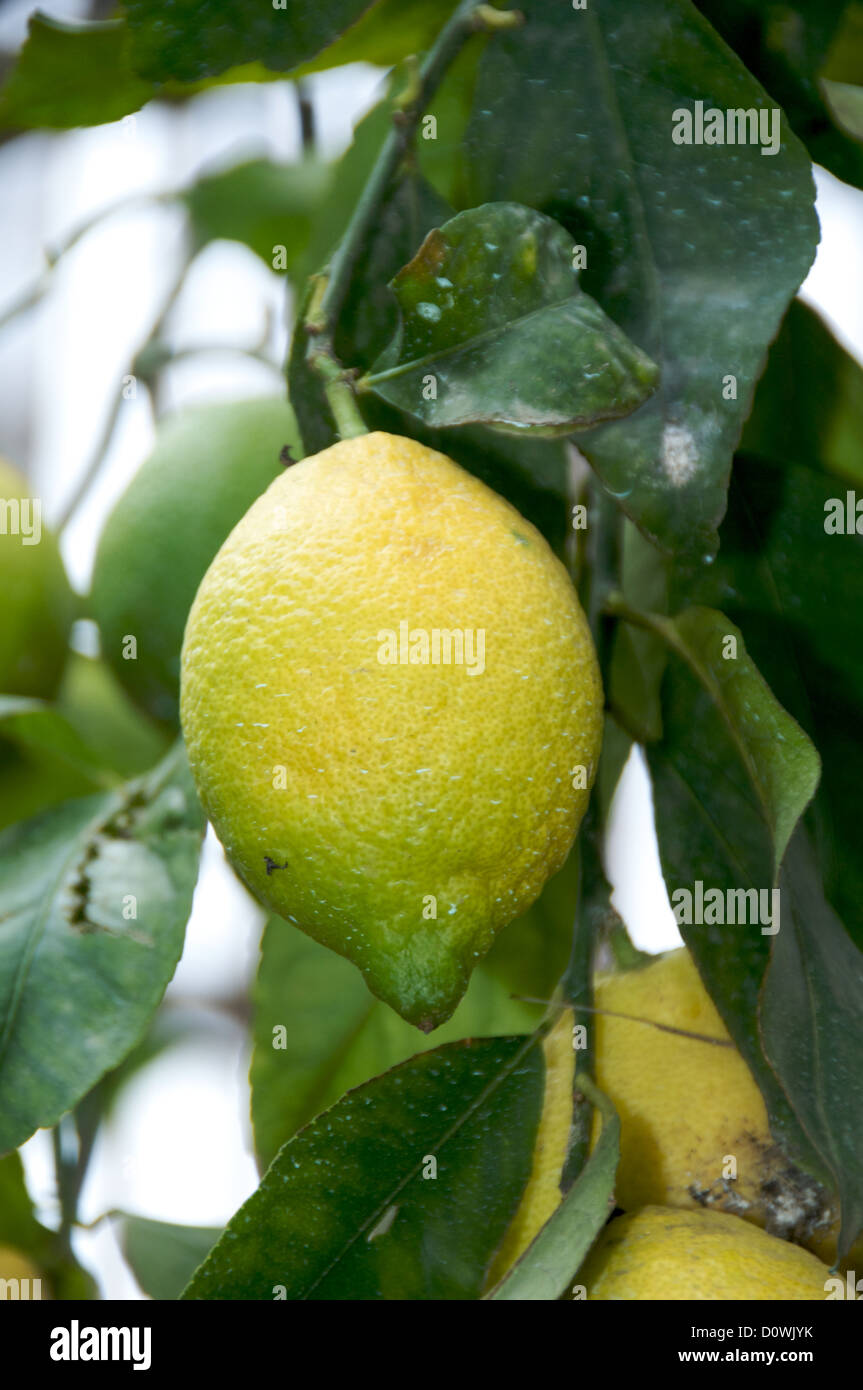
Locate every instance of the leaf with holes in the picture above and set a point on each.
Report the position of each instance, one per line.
(94, 899)
(350, 1209)
(693, 249)
(494, 330)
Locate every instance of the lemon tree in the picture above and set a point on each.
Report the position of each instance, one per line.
(567, 472)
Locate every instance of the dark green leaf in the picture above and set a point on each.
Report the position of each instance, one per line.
(812, 1028)
(73, 962)
(345, 1211)
(797, 592)
(731, 778)
(265, 206)
(694, 250)
(788, 47)
(808, 408)
(318, 1031)
(550, 1262)
(495, 330)
(193, 39)
(70, 75)
(164, 1256)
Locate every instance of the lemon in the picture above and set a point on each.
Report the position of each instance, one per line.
(208, 465)
(543, 1196)
(694, 1128)
(393, 712)
(38, 604)
(667, 1255)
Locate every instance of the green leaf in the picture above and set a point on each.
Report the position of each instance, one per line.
(18, 1224)
(386, 33)
(845, 101)
(194, 39)
(530, 473)
(70, 75)
(693, 250)
(731, 778)
(812, 1028)
(96, 705)
(264, 205)
(349, 1209)
(551, 1261)
(808, 408)
(19, 1228)
(73, 963)
(492, 315)
(164, 1256)
(35, 725)
(797, 592)
(318, 1031)
(790, 47)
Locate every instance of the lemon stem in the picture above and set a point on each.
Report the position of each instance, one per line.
(323, 313)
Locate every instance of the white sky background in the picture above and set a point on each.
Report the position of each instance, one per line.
(179, 1146)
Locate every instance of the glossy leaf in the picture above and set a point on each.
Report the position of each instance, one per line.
(694, 250)
(790, 48)
(732, 776)
(492, 317)
(349, 1209)
(318, 1031)
(163, 1256)
(812, 1029)
(70, 75)
(74, 962)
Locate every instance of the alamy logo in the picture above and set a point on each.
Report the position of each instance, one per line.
(756, 906)
(733, 126)
(435, 646)
(76, 1343)
(21, 516)
(20, 1290)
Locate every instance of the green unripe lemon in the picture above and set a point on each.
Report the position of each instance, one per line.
(208, 465)
(38, 604)
(393, 712)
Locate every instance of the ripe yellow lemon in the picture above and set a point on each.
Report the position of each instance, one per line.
(694, 1129)
(543, 1196)
(393, 712)
(38, 604)
(667, 1255)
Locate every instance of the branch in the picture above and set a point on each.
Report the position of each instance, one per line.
(327, 301)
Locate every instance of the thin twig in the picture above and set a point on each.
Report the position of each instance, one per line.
(326, 304)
